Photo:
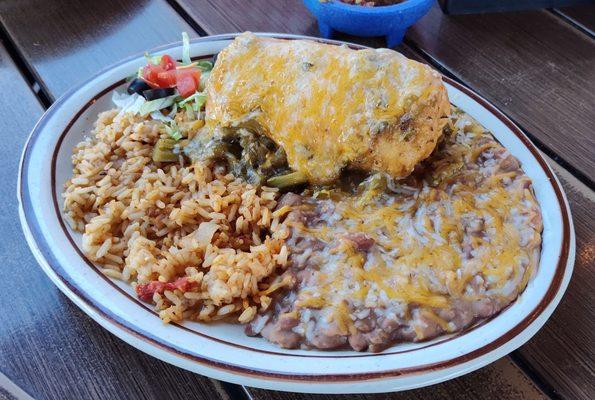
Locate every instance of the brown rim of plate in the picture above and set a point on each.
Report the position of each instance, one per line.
(331, 378)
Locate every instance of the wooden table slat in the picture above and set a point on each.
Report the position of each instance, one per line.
(562, 352)
(545, 82)
(228, 16)
(534, 66)
(48, 347)
(583, 16)
(66, 41)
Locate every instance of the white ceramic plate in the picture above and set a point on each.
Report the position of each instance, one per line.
(222, 351)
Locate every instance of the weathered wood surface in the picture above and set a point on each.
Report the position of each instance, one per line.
(535, 66)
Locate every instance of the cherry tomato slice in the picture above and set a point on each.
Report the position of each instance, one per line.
(167, 79)
(186, 85)
(187, 81)
(193, 72)
(150, 74)
(167, 63)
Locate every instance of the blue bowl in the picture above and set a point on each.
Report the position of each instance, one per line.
(389, 21)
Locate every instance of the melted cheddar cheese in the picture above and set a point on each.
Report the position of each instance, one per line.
(467, 231)
(329, 106)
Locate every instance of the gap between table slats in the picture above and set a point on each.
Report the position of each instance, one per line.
(53, 349)
(532, 65)
(582, 17)
(311, 26)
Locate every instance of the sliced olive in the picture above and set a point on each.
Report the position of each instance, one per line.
(137, 86)
(214, 59)
(159, 93)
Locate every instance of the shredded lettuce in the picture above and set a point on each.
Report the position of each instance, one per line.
(199, 101)
(185, 66)
(196, 95)
(136, 104)
(154, 105)
(173, 131)
(122, 100)
(128, 103)
(205, 65)
(186, 49)
(171, 127)
(158, 116)
(155, 60)
(173, 111)
(189, 111)
(193, 104)
(204, 78)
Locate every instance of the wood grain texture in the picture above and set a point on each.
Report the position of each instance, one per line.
(583, 16)
(290, 16)
(225, 16)
(562, 352)
(532, 65)
(64, 42)
(57, 339)
(10, 391)
(48, 347)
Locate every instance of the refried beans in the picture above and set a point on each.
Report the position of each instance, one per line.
(389, 262)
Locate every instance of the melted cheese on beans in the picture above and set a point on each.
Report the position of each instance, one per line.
(471, 229)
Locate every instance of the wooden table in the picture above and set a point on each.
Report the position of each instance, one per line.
(538, 67)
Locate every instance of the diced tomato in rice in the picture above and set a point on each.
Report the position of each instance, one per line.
(145, 291)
